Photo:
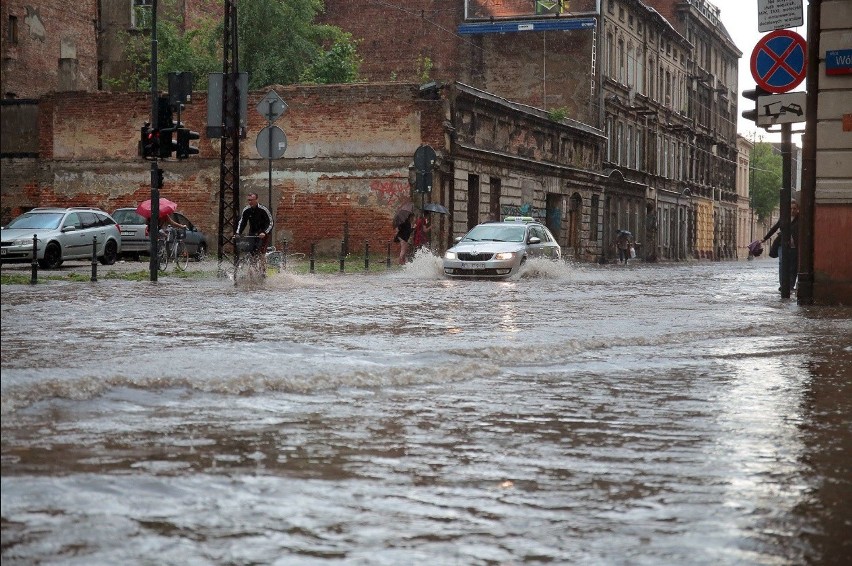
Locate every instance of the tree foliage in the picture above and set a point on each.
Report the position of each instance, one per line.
(278, 43)
(765, 182)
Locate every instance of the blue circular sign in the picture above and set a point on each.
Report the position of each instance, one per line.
(779, 61)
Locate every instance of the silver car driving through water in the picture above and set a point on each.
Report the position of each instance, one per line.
(499, 249)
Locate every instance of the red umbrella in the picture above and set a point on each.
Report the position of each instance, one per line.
(166, 208)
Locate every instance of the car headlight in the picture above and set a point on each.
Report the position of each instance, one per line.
(23, 242)
(450, 255)
(504, 255)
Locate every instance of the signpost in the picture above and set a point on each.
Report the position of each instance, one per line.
(779, 61)
(779, 14)
(784, 108)
(271, 142)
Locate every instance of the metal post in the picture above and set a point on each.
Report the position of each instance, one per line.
(283, 259)
(342, 254)
(366, 255)
(313, 256)
(94, 258)
(154, 228)
(34, 264)
(388, 260)
(786, 195)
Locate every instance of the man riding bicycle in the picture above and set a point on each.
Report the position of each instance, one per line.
(258, 219)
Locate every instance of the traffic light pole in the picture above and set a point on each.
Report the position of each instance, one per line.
(153, 223)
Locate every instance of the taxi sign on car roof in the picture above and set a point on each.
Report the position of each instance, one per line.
(519, 219)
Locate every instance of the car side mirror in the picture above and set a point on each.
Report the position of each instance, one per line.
(535, 240)
(458, 238)
(69, 229)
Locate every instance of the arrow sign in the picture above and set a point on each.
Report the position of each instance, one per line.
(779, 61)
(781, 108)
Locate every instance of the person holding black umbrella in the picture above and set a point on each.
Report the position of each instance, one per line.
(402, 223)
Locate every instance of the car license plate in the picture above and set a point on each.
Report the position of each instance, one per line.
(128, 232)
(3, 252)
(468, 266)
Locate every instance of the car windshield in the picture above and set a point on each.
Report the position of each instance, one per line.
(495, 233)
(37, 221)
(128, 217)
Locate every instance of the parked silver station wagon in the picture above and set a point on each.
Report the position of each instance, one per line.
(499, 249)
(62, 234)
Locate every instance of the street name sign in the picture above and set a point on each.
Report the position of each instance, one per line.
(784, 108)
(779, 61)
(779, 14)
(838, 62)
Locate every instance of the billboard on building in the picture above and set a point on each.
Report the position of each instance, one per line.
(485, 9)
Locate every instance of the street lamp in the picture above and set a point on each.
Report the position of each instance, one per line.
(681, 220)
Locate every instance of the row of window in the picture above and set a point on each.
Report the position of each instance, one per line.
(626, 64)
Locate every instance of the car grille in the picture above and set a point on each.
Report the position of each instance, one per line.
(464, 256)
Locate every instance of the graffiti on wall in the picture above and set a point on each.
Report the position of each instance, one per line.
(525, 209)
(391, 191)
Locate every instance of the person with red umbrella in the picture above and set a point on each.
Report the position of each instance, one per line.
(166, 207)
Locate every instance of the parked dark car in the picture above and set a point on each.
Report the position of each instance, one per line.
(135, 241)
(62, 233)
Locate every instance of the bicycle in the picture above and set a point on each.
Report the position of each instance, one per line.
(172, 247)
(249, 261)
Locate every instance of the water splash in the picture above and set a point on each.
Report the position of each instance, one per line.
(425, 266)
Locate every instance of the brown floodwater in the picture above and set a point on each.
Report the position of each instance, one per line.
(666, 414)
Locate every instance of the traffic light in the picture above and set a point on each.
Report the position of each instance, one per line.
(166, 128)
(184, 137)
(157, 178)
(149, 142)
(144, 149)
(753, 95)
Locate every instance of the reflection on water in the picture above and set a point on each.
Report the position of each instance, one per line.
(575, 414)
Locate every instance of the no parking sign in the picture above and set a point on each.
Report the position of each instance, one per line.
(779, 61)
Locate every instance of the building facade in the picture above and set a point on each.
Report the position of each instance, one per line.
(48, 46)
(827, 174)
(658, 77)
(746, 232)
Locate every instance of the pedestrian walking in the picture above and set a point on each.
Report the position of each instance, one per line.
(403, 234)
(777, 248)
(422, 226)
(622, 243)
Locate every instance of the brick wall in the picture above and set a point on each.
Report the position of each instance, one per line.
(56, 47)
(349, 149)
(547, 70)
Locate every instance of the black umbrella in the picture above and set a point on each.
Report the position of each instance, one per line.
(627, 233)
(435, 207)
(402, 213)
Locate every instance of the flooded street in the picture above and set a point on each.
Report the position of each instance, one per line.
(666, 414)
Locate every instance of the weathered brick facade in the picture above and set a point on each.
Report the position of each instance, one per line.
(346, 168)
(546, 70)
(48, 47)
(349, 148)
